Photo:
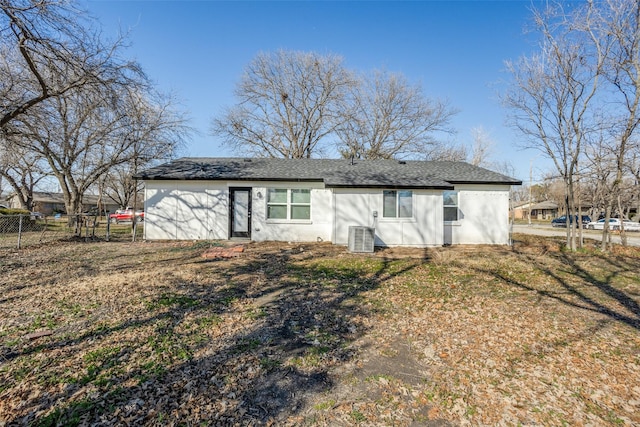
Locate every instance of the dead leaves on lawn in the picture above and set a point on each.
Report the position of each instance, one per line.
(155, 334)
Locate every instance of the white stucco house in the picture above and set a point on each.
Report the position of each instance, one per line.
(406, 203)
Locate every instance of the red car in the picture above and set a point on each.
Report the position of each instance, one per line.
(125, 215)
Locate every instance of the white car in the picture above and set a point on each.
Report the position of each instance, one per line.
(614, 224)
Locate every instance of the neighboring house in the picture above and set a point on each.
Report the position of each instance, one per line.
(412, 203)
(49, 203)
(540, 211)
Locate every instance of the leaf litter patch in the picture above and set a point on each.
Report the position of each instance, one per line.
(290, 334)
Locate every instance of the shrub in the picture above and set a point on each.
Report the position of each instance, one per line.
(13, 211)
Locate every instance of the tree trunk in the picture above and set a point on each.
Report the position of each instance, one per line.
(605, 228)
(571, 209)
(623, 233)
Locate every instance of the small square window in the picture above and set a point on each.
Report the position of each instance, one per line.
(277, 195)
(300, 196)
(276, 212)
(397, 204)
(288, 204)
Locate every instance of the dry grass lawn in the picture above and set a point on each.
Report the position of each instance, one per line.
(309, 334)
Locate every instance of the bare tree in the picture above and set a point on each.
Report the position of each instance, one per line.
(551, 98)
(160, 132)
(444, 151)
(634, 170)
(67, 96)
(391, 118)
(49, 48)
(22, 170)
(482, 147)
(83, 135)
(478, 153)
(118, 185)
(614, 28)
(288, 102)
(596, 186)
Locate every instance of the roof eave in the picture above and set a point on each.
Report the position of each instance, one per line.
(488, 182)
(392, 187)
(185, 178)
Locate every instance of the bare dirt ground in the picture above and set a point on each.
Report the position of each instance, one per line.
(309, 334)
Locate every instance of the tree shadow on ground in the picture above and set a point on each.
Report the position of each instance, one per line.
(577, 284)
(248, 344)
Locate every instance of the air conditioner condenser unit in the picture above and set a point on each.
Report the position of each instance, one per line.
(361, 239)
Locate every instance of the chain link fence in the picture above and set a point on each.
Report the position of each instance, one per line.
(20, 231)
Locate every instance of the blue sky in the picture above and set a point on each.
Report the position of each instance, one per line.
(454, 49)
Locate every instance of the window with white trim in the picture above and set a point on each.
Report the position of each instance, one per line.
(288, 204)
(397, 204)
(450, 202)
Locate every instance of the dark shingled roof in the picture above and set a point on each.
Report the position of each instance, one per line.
(333, 172)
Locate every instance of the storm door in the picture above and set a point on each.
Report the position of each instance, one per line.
(240, 212)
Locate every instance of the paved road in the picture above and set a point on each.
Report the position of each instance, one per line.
(633, 239)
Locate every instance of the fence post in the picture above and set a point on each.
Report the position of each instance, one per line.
(19, 230)
(108, 224)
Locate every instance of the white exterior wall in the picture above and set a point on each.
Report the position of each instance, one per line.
(186, 210)
(199, 210)
(317, 229)
(483, 216)
(356, 207)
